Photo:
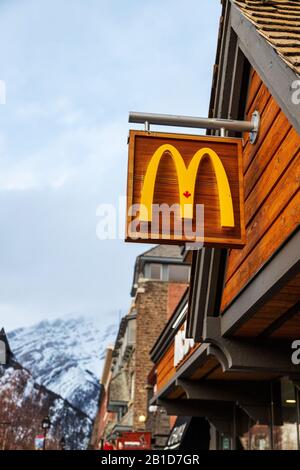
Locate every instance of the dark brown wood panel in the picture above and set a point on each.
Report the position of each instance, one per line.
(177, 393)
(209, 365)
(290, 329)
(272, 311)
(218, 374)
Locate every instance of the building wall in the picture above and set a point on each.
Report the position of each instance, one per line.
(103, 417)
(272, 197)
(175, 293)
(155, 301)
(130, 368)
(99, 423)
(151, 304)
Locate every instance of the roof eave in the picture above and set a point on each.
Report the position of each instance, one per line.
(273, 70)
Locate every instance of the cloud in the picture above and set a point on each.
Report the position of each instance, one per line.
(79, 153)
(59, 110)
(73, 71)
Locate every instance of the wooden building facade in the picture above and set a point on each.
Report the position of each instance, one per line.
(240, 323)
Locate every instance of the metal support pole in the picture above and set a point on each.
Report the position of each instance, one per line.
(234, 428)
(198, 122)
(272, 423)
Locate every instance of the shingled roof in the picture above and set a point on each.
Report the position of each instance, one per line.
(159, 254)
(164, 251)
(278, 21)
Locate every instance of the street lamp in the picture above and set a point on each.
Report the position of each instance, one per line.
(62, 443)
(46, 423)
(142, 419)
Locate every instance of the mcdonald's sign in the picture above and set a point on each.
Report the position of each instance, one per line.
(183, 188)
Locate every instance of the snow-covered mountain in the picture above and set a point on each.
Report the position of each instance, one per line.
(66, 355)
(24, 405)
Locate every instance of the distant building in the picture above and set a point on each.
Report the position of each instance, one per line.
(103, 419)
(5, 351)
(161, 276)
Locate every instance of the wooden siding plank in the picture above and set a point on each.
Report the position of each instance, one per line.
(271, 175)
(254, 86)
(284, 190)
(267, 119)
(259, 103)
(269, 172)
(277, 234)
(279, 304)
(280, 129)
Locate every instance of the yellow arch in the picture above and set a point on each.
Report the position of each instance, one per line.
(186, 181)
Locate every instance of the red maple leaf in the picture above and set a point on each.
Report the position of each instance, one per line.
(187, 194)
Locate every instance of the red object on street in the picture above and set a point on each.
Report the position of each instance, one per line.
(134, 441)
(108, 446)
(39, 442)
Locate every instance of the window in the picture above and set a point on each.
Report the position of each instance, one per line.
(155, 271)
(274, 428)
(131, 332)
(122, 410)
(285, 434)
(179, 273)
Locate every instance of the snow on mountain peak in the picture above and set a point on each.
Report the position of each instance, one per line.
(66, 355)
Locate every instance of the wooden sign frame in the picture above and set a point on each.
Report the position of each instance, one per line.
(216, 182)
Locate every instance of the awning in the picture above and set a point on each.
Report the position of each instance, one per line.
(189, 433)
(177, 433)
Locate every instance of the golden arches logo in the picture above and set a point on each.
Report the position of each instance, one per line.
(187, 181)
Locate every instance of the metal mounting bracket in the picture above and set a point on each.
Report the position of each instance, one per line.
(199, 123)
(256, 124)
(243, 354)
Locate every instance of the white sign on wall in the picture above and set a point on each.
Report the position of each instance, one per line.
(182, 346)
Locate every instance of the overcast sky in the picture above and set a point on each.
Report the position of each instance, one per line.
(73, 70)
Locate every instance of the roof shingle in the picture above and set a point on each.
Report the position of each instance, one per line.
(278, 21)
(164, 251)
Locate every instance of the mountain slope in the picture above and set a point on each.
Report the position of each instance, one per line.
(24, 405)
(66, 356)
